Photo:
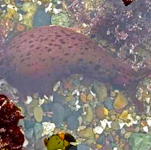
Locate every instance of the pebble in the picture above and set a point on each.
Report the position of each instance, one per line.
(83, 147)
(89, 114)
(72, 123)
(124, 115)
(28, 124)
(38, 129)
(140, 141)
(48, 128)
(98, 130)
(101, 139)
(41, 18)
(100, 90)
(115, 125)
(90, 97)
(100, 112)
(127, 135)
(61, 19)
(38, 113)
(59, 98)
(86, 133)
(58, 114)
(120, 101)
(29, 133)
(108, 103)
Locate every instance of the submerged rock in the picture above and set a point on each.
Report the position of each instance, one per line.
(58, 114)
(140, 141)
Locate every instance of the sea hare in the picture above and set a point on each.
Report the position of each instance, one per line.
(41, 56)
(11, 136)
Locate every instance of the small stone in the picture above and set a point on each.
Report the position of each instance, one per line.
(89, 114)
(72, 123)
(41, 18)
(100, 112)
(29, 100)
(48, 128)
(34, 103)
(108, 103)
(101, 139)
(98, 130)
(90, 97)
(61, 19)
(20, 27)
(127, 135)
(56, 86)
(59, 98)
(124, 115)
(86, 133)
(120, 101)
(69, 96)
(38, 129)
(100, 90)
(83, 147)
(106, 112)
(58, 114)
(28, 124)
(38, 113)
(99, 146)
(29, 133)
(115, 125)
(140, 141)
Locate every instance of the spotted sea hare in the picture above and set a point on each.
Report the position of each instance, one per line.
(36, 59)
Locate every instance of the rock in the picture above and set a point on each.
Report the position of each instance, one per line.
(124, 115)
(59, 98)
(29, 133)
(120, 101)
(28, 124)
(101, 139)
(140, 141)
(38, 129)
(72, 123)
(46, 106)
(68, 111)
(100, 90)
(90, 97)
(58, 114)
(108, 103)
(86, 133)
(41, 18)
(115, 125)
(61, 19)
(38, 113)
(100, 112)
(89, 114)
(83, 147)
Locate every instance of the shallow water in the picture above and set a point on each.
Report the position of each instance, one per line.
(102, 107)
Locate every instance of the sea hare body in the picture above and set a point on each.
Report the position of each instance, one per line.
(39, 57)
(11, 136)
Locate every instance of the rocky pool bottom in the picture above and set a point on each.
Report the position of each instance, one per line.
(97, 118)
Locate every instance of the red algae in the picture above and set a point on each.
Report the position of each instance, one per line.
(11, 136)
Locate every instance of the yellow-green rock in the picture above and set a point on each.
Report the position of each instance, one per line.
(86, 133)
(89, 114)
(38, 113)
(120, 101)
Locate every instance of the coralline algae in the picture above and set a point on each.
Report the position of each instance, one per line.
(41, 56)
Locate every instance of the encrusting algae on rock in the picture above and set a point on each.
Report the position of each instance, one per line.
(36, 59)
